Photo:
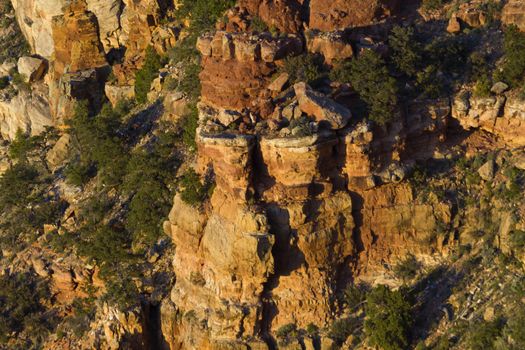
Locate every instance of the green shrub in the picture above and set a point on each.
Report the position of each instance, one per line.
(513, 68)
(189, 127)
(430, 82)
(341, 329)
(312, 330)
(388, 319)
(78, 173)
(258, 25)
(369, 76)
(22, 309)
(304, 68)
(194, 192)
(430, 5)
(482, 87)
(449, 54)
(482, 334)
(514, 328)
(407, 268)
(83, 315)
(406, 50)
(517, 239)
(121, 291)
(286, 331)
(203, 13)
(99, 143)
(145, 76)
(21, 146)
(354, 295)
(16, 185)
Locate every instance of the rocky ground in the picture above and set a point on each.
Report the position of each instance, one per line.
(262, 174)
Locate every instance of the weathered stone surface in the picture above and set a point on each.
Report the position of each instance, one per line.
(502, 115)
(116, 93)
(31, 68)
(77, 44)
(28, 111)
(487, 170)
(108, 17)
(278, 84)
(454, 26)
(499, 88)
(332, 45)
(175, 106)
(60, 152)
(35, 18)
(341, 14)
(514, 13)
(285, 15)
(322, 108)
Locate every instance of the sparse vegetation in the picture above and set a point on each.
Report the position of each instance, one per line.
(388, 320)
(23, 319)
(408, 268)
(194, 192)
(513, 68)
(307, 68)
(12, 41)
(145, 76)
(369, 76)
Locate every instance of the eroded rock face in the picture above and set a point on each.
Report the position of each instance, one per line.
(290, 204)
(501, 115)
(285, 15)
(324, 110)
(332, 45)
(514, 13)
(28, 111)
(238, 68)
(330, 15)
(35, 18)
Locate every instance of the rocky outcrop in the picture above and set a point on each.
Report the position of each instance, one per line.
(284, 15)
(514, 13)
(500, 115)
(324, 110)
(77, 44)
(334, 46)
(79, 67)
(31, 68)
(35, 18)
(341, 14)
(28, 111)
(293, 219)
(237, 69)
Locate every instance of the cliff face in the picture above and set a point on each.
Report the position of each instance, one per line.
(310, 197)
(293, 218)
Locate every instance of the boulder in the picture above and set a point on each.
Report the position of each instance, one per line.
(487, 170)
(332, 45)
(519, 160)
(31, 68)
(454, 26)
(175, 106)
(499, 88)
(278, 84)
(116, 93)
(322, 108)
(59, 153)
